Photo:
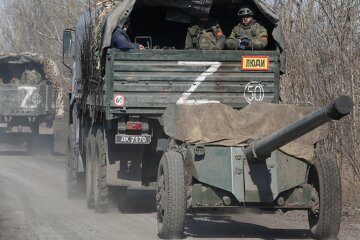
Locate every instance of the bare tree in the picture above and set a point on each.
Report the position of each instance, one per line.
(323, 49)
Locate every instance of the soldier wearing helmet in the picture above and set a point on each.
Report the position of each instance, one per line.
(205, 35)
(248, 34)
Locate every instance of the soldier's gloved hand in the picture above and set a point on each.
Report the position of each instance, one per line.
(243, 43)
(246, 41)
(240, 45)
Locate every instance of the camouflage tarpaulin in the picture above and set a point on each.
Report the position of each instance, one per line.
(49, 67)
(219, 124)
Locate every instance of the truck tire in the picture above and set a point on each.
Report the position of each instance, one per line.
(324, 217)
(100, 171)
(171, 196)
(89, 169)
(73, 187)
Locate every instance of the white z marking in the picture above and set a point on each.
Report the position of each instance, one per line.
(214, 66)
(29, 92)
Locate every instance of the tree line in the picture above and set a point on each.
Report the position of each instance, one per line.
(323, 56)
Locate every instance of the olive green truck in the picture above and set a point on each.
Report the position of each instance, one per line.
(28, 100)
(117, 135)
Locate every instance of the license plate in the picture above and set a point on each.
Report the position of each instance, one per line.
(132, 139)
(3, 125)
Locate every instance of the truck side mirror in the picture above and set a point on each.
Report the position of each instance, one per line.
(68, 41)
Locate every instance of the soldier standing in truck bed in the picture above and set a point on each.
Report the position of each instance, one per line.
(249, 34)
(205, 36)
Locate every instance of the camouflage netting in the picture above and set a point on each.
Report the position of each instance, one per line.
(49, 67)
(104, 8)
(51, 72)
(219, 124)
(90, 31)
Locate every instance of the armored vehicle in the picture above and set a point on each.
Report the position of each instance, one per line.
(28, 100)
(125, 127)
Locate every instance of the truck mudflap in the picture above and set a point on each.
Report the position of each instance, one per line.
(27, 100)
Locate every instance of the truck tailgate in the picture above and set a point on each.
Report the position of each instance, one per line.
(145, 82)
(26, 100)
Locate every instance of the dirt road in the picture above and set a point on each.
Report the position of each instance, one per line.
(33, 205)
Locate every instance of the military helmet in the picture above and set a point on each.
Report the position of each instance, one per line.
(245, 11)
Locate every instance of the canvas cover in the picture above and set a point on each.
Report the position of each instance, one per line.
(49, 67)
(221, 125)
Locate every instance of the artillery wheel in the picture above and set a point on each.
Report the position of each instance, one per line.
(171, 196)
(324, 217)
(100, 168)
(74, 180)
(89, 169)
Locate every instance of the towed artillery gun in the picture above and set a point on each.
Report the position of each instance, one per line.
(257, 174)
(120, 129)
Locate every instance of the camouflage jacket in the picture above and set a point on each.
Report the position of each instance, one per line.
(205, 39)
(256, 32)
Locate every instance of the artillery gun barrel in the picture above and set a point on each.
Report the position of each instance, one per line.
(263, 148)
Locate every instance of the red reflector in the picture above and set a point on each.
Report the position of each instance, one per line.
(134, 126)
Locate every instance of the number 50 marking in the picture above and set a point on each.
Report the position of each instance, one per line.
(254, 91)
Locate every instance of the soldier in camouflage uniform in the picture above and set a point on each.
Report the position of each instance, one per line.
(249, 34)
(203, 37)
(31, 77)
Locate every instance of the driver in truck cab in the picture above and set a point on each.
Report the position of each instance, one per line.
(248, 34)
(121, 40)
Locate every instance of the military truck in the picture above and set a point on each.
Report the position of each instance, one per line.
(28, 101)
(120, 136)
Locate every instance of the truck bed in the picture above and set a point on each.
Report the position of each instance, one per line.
(148, 81)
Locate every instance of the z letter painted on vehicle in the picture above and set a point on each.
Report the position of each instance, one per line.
(210, 71)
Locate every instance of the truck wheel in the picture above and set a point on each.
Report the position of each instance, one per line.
(324, 217)
(100, 170)
(71, 166)
(89, 169)
(171, 196)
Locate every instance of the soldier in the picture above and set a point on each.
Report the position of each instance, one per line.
(121, 40)
(205, 37)
(31, 77)
(249, 34)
